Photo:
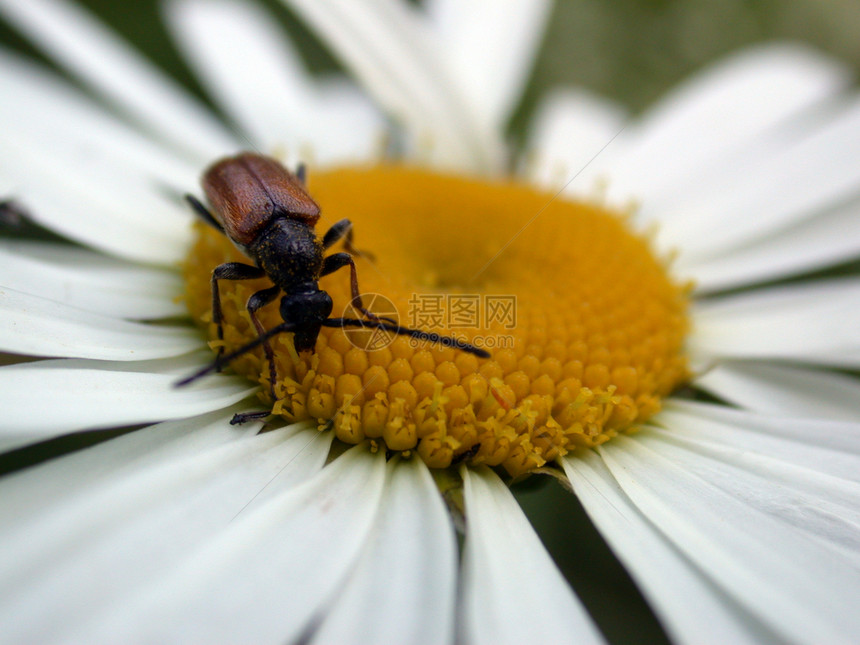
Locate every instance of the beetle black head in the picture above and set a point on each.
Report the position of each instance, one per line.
(307, 311)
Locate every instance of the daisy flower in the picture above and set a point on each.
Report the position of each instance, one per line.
(656, 342)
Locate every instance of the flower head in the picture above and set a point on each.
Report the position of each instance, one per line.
(588, 332)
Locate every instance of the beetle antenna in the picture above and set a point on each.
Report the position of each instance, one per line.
(429, 336)
(221, 361)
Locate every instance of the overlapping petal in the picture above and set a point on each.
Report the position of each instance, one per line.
(690, 607)
(85, 550)
(796, 173)
(512, 591)
(90, 51)
(388, 46)
(753, 521)
(407, 574)
(816, 322)
(83, 125)
(571, 130)
(824, 240)
(38, 326)
(478, 35)
(244, 579)
(62, 396)
(783, 389)
(254, 73)
(81, 279)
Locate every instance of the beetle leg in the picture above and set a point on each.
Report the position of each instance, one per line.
(12, 213)
(255, 302)
(243, 417)
(229, 271)
(338, 260)
(302, 174)
(221, 361)
(343, 230)
(463, 456)
(203, 212)
(334, 262)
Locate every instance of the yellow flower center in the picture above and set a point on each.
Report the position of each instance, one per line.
(584, 325)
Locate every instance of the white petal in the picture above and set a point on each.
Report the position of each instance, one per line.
(107, 207)
(90, 51)
(772, 477)
(350, 128)
(95, 550)
(718, 113)
(688, 605)
(791, 176)
(40, 327)
(785, 390)
(490, 48)
(263, 577)
(814, 322)
(414, 599)
(569, 131)
(829, 447)
(819, 242)
(61, 396)
(51, 484)
(251, 69)
(785, 578)
(389, 49)
(81, 126)
(247, 64)
(84, 280)
(512, 590)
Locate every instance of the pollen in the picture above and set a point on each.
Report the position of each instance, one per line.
(584, 325)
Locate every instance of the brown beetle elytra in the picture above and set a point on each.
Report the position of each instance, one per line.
(245, 190)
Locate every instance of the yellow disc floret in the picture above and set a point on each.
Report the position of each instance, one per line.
(584, 325)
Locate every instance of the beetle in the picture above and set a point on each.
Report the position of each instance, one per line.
(269, 216)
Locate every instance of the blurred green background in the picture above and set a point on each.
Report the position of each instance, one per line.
(631, 51)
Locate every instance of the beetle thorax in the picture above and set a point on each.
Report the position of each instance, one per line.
(289, 252)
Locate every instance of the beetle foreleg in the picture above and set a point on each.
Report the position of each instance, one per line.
(229, 271)
(221, 361)
(255, 302)
(338, 260)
